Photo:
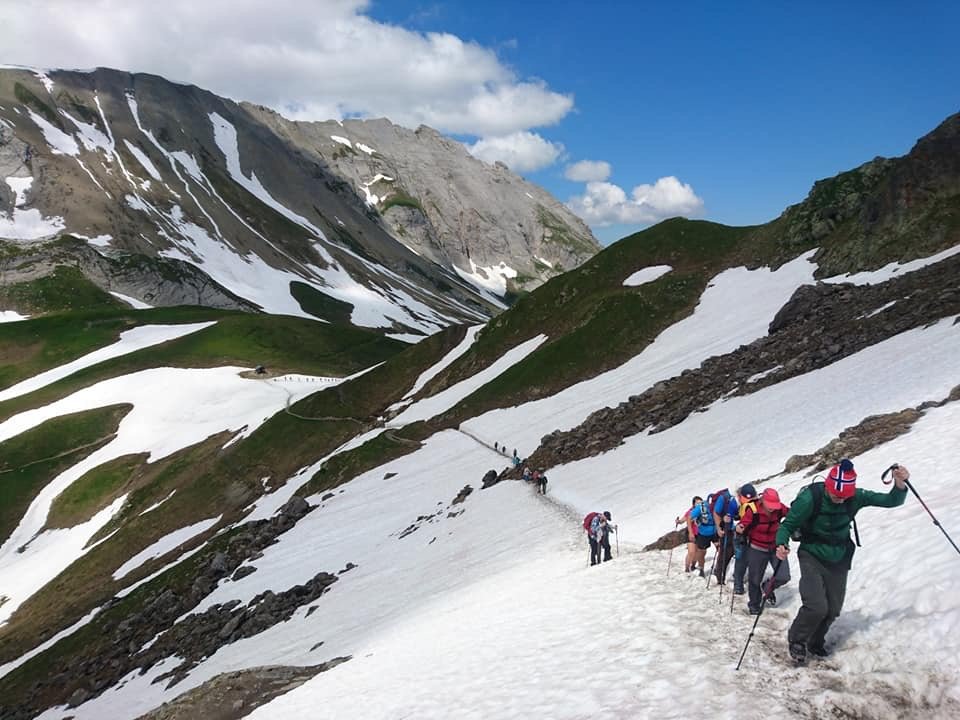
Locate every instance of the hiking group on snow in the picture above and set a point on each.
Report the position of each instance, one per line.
(762, 527)
(754, 531)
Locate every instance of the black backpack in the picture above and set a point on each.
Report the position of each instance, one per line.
(806, 534)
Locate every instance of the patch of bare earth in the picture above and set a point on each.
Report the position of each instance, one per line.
(236, 694)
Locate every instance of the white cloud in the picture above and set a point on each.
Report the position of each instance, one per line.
(588, 171)
(606, 204)
(521, 151)
(317, 60)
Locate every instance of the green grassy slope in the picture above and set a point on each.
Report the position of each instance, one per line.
(281, 343)
(593, 322)
(211, 480)
(32, 459)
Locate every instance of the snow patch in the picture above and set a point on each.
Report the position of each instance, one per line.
(647, 274)
(131, 301)
(164, 545)
(144, 161)
(491, 279)
(26, 225)
(342, 140)
(894, 269)
(60, 142)
(446, 399)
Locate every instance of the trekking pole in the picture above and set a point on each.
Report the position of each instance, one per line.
(763, 604)
(616, 532)
(917, 495)
(669, 560)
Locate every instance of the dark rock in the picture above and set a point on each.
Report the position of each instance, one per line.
(462, 495)
(242, 572)
(295, 508)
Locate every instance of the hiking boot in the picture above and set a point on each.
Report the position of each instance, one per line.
(818, 650)
(687, 568)
(798, 651)
(739, 590)
(702, 573)
(772, 600)
(753, 610)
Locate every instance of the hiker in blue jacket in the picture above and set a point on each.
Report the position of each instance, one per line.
(706, 532)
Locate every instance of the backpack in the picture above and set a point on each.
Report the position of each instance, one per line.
(588, 520)
(719, 499)
(706, 515)
(806, 534)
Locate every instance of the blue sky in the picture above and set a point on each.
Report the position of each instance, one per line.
(728, 111)
(749, 103)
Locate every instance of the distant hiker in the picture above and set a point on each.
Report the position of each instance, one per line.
(822, 513)
(496, 447)
(597, 527)
(747, 499)
(516, 461)
(515, 453)
(605, 527)
(691, 561)
(706, 532)
(526, 474)
(542, 483)
(759, 525)
(724, 508)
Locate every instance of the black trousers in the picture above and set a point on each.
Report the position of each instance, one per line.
(724, 554)
(822, 590)
(542, 487)
(594, 550)
(605, 544)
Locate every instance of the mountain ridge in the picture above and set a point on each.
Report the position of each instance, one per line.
(138, 165)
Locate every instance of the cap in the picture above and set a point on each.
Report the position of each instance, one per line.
(841, 481)
(748, 492)
(606, 514)
(771, 498)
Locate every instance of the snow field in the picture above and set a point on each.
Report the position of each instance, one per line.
(172, 409)
(446, 399)
(495, 614)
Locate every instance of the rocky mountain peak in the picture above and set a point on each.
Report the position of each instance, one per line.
(360, 221)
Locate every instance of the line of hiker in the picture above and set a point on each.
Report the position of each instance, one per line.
(598, 525)
(755, 531)
(502, 449)
(741, 528)
(539, 477)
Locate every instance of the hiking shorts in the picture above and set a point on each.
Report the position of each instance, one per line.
(703, 541)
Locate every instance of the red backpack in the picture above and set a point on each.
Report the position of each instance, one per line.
(715, 496)
(588, 520)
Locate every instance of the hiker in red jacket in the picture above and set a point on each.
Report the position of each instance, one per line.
(759, 526)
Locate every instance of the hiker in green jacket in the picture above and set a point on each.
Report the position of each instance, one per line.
(822, 514)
